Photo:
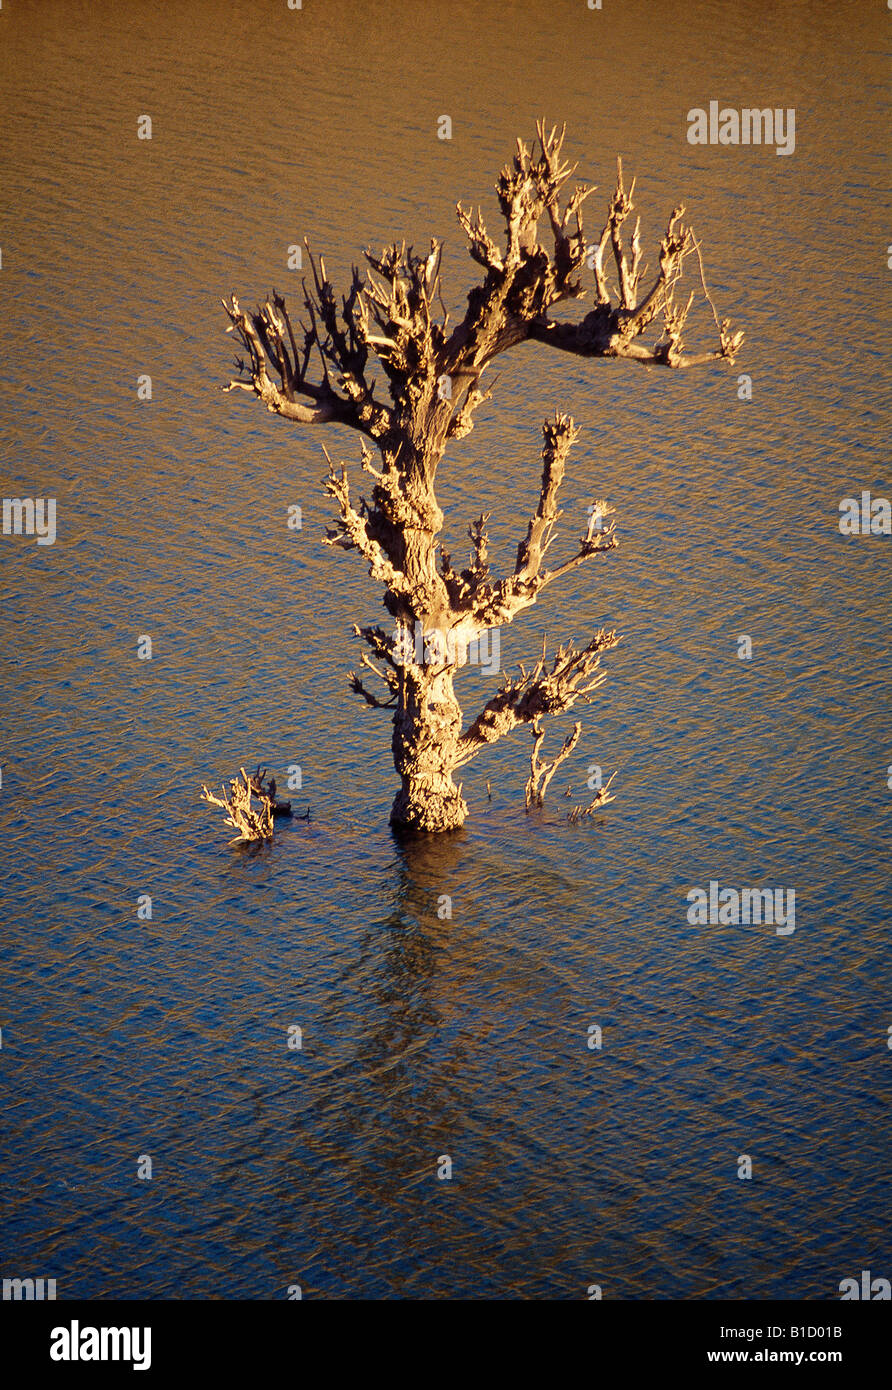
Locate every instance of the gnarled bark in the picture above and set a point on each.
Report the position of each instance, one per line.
(392, 331)
(426, 731)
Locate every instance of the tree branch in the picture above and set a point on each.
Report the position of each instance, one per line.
(524, 281)
(396, 316)
(573, 677)
(237, 803)
(270, 341)
(492, 605)
(541, 773)
(351, 532)
(601, 798)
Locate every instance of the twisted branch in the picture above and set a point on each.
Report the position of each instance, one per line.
(541, 772)
(237, 802)
(573, 678)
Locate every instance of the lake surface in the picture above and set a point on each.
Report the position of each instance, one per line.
(422, 1037)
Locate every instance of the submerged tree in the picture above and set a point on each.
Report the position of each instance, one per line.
(238, 804)
(395, 320)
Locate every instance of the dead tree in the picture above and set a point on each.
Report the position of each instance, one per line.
(238, 804)
(391, 329)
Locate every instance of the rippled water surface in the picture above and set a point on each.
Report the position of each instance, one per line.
(425, 1037)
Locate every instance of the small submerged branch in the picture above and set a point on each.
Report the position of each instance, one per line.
(602, 799)
(541, 772)
(238, 803)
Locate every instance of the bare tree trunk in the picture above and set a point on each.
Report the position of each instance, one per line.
(426, 733)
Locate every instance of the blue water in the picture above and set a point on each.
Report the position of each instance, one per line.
(425, 1037)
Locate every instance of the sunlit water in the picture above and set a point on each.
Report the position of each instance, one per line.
(425, 1037)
